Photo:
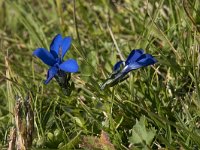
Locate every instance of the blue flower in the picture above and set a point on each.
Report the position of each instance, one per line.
(54, 58)
(136, 59)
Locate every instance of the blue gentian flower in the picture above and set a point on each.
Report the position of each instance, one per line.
(136, 59)
(54, 59)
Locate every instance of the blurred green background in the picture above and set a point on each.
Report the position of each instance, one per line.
(158, 107)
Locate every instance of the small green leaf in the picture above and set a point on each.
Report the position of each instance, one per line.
(141, 135)
(78, 121)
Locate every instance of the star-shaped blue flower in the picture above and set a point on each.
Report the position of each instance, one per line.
(136, 59)
(54, 58)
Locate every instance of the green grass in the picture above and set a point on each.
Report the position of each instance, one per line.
(157, 107)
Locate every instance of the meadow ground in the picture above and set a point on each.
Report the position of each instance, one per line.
(157, 107)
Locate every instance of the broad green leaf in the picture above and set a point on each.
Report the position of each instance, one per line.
(141, 135)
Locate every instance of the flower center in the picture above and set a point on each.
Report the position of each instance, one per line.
(56, 65)
(60, 52)
(58, 60)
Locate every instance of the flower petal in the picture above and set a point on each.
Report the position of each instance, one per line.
(51, 73)
(146, 59)
(134, 55)
(143, 61)
(132, 66)
(45, 56)
(117, 65)
(117, 68)
(66, 42)
(55, 45)
(69, 66)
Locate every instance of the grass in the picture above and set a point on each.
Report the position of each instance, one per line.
(158, 107)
